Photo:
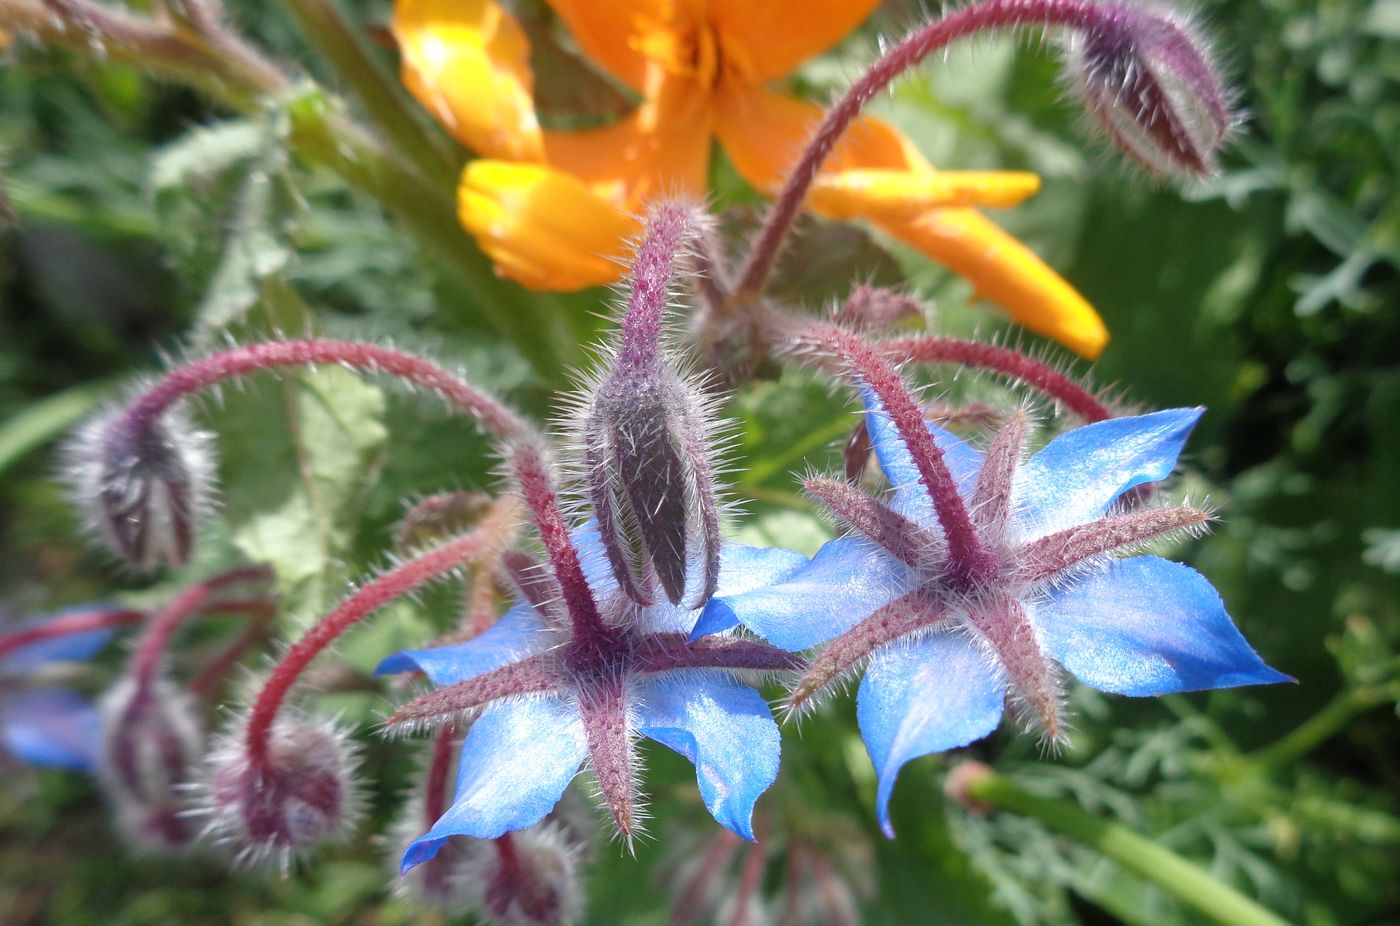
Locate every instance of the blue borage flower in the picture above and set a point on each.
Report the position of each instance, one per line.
(45, 725)
(542, 714)
(944, 653)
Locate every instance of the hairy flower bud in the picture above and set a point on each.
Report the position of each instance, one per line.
(301, 796)
(1146, 77)
(152, 740)
(143, 484)
(528, 878)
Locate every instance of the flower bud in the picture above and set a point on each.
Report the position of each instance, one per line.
(1146, 77)
(152, 740)
(143, 484)
(302, 795)
(527, 878)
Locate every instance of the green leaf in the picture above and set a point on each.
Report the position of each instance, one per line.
(299, 456)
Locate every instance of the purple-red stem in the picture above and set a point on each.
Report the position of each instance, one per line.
(66, 625)
(1001, 360)
(913, 49)
(209, 677)
(239, 361)
(386, 588)
(668, 227)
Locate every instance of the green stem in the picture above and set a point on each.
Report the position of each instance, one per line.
(1181, 879)
(47, 420)
(1316, 730)
(382, 98)
(33, 204)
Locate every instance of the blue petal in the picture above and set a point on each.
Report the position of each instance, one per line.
(722, 726)
(517, 634)
(1076, 476)
(1146, 626)
(518, 759)
(71, 647)
(922, 697)
(910, 498)
(846, 581)
(593, 557)
(51, 727)
(741, 569)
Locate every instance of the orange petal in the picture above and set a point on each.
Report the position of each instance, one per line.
(612, 32)
(766, 39)
(764, 133)
(662, 148)
(468, 63)
(903, 194)
(1003, 270)
(541, 227)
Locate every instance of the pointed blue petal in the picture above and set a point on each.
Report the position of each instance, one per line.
(722, 726)
(51, 727)
(846, 581)
(922, 697)
(517, 634)
(1076, 476)
(910, 498)
(71, 647)
(1146, 626)
(741, 569)
(518, 759)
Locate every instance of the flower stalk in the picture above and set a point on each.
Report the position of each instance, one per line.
(978, 787)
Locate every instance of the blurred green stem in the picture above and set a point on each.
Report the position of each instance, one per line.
(46, 420)
(199, 52)
(976, 785)
(1316, 730)
(381, 96)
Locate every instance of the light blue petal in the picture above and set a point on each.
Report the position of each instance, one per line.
(51, 727)
(1076, 476)
(910, 498)
(741, 569)
(1146, 626)
(517, 634)
(593, 557)
(846, 581)
(518, 759)
(922, 697)
(71, 647)
(722, 726)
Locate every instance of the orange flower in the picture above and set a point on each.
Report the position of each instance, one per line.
(552, 208)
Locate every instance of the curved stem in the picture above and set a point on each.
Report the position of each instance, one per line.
(369, 358)
(374, 595)
(975, 785)
(1001, 360)
(66, 625)
(932, 37)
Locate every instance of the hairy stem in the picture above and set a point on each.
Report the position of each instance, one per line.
(67, 624)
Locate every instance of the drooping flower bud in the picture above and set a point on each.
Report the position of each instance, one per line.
(152, 740)
(1146, 77)
(647, 439)
(301, 795)
(527, 878)
(143, 483)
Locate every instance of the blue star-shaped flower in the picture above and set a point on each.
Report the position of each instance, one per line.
(946, 644)
(547, 706)
(42, 724)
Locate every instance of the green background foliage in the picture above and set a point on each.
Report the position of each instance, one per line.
(149, 221)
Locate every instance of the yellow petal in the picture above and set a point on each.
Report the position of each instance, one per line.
(662, 148)
(468, 63)
(903, 194)
(764, 133)
(765, 39)
(541, 227)
(1005, 271)
(613, 32)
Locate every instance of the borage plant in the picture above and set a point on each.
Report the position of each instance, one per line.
(975, 571)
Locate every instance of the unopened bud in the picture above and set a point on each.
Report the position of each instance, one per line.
(152, 740)
(301, 796)
(143, 484)
(528, 878)
(877, 307)
(1147, 78)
